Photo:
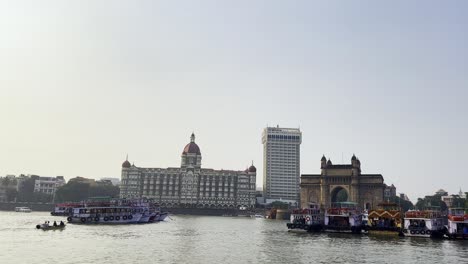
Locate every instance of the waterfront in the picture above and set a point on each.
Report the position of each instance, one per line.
(207, 239)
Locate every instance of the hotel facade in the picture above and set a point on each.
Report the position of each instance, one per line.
(190, 185)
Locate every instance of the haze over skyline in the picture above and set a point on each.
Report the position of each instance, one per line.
(83, 84)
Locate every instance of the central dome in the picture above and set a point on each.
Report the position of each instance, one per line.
(192, 147)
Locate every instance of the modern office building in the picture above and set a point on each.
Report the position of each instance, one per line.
(190, 185)
(281, 164)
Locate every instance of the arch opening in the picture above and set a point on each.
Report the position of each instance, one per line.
(339, 194)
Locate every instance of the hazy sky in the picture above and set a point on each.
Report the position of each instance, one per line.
(83, 83)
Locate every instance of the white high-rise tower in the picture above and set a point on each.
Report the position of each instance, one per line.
(281, 164)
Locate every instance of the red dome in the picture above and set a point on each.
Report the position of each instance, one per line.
(126, 164)
(252, 169)
(191, 148)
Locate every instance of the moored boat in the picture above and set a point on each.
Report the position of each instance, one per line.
(385, 220)
(457, 226)
(424, 223)
(307, 219)
(343, 217)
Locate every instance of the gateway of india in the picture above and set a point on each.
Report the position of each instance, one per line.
(190, 186)
(342, 182)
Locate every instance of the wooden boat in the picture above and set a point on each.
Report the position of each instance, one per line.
(385, 220)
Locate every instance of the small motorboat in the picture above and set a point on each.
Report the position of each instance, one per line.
(50, 227)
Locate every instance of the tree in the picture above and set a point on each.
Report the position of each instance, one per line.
(78, 191)
(405, 205)
(72, 192)
(26, 192)
(431, 201)
(11, 194)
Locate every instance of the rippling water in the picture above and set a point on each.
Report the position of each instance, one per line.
(205, 239)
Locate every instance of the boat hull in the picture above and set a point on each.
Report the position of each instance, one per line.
(305, 227)
(117, 219)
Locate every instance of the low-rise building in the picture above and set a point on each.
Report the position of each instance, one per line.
(48, 185)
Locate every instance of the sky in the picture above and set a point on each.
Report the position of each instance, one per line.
(84, 83)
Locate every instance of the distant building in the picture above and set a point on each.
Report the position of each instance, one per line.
(281, 164)
(48, 185)
(441, 192)
(190, 185)
(80, 179)
(404, 197)
(342, 182)
(114, 181)
(389, 191)
(450, 199)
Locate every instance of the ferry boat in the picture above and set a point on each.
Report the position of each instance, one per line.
(424, 223)
(23, 209)
(116, 212)
(385, 220)
(457, 223)
(307, 219)
(343, 217)
(64, 209)
(107, 215)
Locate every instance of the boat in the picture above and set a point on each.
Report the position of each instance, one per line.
(308, 219)
(343, 217)
(23, 209)
(46, 227)
(385, 220)
(64, 209)
(425, 223)
(117, 211)
(160, 216)
(457, 226)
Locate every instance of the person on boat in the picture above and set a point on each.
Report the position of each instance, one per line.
(61, 223)
(55, 223)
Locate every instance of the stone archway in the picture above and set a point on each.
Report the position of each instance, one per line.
(339, 194)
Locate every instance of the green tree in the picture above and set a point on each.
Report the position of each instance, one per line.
(79, 191)
(431, 201)
(26, 190)
(11, 194)
(405, 205)
(72, 192)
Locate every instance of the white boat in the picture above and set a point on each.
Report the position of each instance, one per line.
(424, 223)
(23, 209)
(106, 215)
(457, 223)
(118, 211)
(343, 217)
(308, 219)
